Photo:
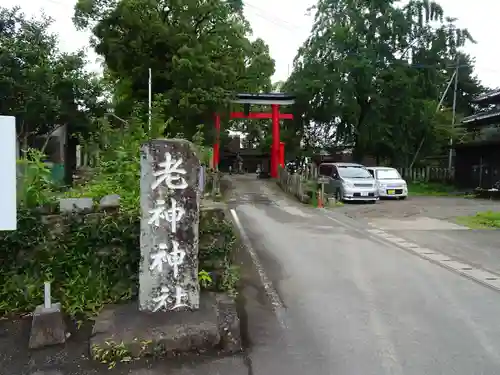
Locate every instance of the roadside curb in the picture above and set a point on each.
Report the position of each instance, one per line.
(271, 292)
(462, 268)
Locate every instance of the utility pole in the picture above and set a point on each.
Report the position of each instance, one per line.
(450, 154)
(437, 110)
(149, 101)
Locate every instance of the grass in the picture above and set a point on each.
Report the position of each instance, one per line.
(430, 189)
(481, 220)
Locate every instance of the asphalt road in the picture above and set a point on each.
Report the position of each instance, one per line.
(354, 304)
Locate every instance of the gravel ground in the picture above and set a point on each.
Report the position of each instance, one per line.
(443, 208)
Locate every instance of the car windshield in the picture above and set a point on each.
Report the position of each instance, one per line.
(353, 172)
(388, 174)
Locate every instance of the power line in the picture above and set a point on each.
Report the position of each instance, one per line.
(59, 3)
(273, 19)
(289, 26)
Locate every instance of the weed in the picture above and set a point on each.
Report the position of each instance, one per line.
(481, 220)
(111, 353)
(430, 189)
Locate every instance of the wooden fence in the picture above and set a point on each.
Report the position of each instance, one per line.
(427, 174)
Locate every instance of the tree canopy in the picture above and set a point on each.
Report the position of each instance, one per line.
(371, 74)
(199, 53)
(39, 85)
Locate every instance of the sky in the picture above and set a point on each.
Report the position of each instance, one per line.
(284, 25)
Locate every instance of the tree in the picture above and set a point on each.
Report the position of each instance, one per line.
(371, 74)
(39, 85)
(42, 87)
(199, 53)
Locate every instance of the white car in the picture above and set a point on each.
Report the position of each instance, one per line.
(390, 184)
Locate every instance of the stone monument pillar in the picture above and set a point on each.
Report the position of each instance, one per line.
(172, 318)
(170, 204)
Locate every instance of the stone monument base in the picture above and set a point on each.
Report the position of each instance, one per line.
(128, 332)
(47, 327)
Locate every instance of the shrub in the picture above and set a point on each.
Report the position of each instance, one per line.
(90, 260)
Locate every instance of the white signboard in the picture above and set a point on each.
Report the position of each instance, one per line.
(8, 205)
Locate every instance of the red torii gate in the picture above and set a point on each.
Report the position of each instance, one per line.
(273, 99)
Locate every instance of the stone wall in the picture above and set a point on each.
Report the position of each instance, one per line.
(216, 233)
(92, 256)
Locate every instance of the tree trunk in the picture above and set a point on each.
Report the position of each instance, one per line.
(358, 151)
(69, 158)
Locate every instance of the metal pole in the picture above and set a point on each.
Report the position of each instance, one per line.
(149, 100)
(47, 297)
(437, 109)
(450, 154)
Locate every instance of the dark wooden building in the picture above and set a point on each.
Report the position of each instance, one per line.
(341, 155)
(251, 158)
(477, 161)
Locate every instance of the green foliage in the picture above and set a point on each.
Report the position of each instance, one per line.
(198, 51)
(90, 260)
(217, 246)
(117, 152)
(40, 85)
(205, 279)
(112, 353)
(370, 77)
(430, 189)
(35, 186)
(93, 260)
(481, 220)
(203, 152)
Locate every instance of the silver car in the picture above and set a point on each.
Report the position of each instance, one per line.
(349, 182)
(389, 182)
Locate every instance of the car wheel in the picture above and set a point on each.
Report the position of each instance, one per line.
(403, 198)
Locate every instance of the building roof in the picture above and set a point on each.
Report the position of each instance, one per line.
(478, 144)
(489, 97)
(483, 118)
(485, 136)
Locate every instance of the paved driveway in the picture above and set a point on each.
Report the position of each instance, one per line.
(442, 208)
(431, 222)
(350, 302)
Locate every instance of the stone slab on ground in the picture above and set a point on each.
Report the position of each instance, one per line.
(421, 223)
(47, 327)
(212, 327)
(110, 201)
(229, 324)
(67, 205)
